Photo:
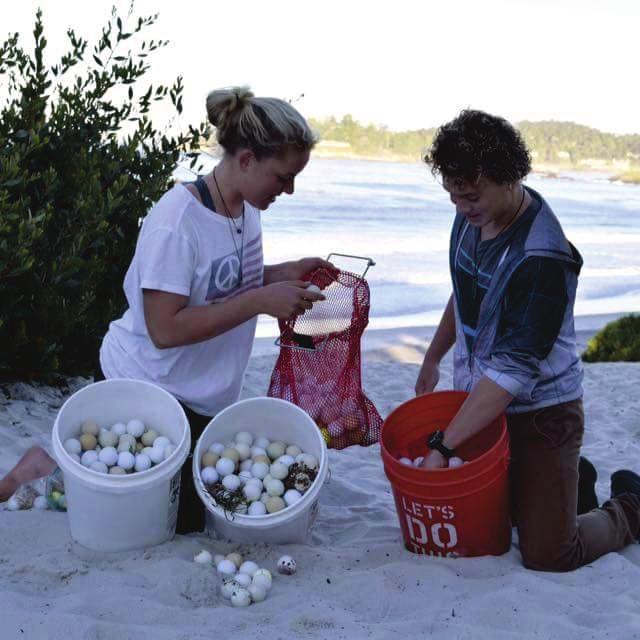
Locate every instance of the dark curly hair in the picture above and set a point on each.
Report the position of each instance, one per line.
(478, 144)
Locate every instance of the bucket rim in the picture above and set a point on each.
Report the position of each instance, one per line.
(127, 481)
(418, 472)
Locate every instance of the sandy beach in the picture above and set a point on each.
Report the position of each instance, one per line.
(354, 578)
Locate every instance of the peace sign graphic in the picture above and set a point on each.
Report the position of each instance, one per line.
(227, 274)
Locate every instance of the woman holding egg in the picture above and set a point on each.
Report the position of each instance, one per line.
(510, 318)
(197, 281)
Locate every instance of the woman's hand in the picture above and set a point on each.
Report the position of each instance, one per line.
(428, 377)
(434, 460)
(298, 269)
(286, 300)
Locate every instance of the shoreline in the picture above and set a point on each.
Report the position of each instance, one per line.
(418, 337)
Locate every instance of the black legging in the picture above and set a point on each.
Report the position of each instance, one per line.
(190, 508)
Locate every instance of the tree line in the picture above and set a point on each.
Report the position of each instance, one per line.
(549, 141)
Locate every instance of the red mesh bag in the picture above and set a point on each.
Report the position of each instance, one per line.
(319, 366)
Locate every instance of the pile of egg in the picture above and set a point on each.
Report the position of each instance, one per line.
(255, 469)
(122, 449)
(242, 582)
(453, 462)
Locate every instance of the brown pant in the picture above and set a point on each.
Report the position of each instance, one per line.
(545, 448)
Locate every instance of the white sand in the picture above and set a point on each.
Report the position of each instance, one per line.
(354, 579)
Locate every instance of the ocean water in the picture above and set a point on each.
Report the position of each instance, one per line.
(400, 217)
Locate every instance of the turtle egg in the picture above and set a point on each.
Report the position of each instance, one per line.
(308, 460)
(217, 448)
(252, 491)
(119, 428)
(258, 592)
(225, 466)
(244, 437)
(226, 567)
(88, 457)
(405, 460)
(117, 471)
(72, 445)
(108, 455)
(125, 446)
(279, 471)
(293, 451)
(257, 508)
(263, 578)
(275, 487)
(126, 460)
(143, 462)
(258, 451)
(14, 503)
(287, 565)
(276, 449)
(245, 476)
(88, 441)
(259, 469)
(262, 442)
(243, 579)
(135, 427)
(335, 429)
(249, 567)
(209, 459)
(232, 454)
(262, 458)
(291, 497)
(274, 504)
(149, 437)
(98, 466)
(243, 449)
(89, 426)
(168, 450)
(217, 559)
(246, 465)
(286, 460)
(455, 462)
(229, 585)
(240, 597)
(231, 482)
(161, 442)
(41, 503)
(204, 557)
(156, 454)
(236, 558)
(209, 475)
(108, 438)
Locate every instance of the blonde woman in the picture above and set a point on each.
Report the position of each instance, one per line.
(197, 281)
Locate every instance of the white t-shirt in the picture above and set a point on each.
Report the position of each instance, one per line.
(185, 248)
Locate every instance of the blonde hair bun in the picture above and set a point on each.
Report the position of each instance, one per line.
(267, 126)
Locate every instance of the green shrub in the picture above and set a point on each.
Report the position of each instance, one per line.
(618, 341)
(80, 165)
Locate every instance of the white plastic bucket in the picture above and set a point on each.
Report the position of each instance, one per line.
(277, 420)
(121, 512)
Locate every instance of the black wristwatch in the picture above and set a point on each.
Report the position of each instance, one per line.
(435, 443)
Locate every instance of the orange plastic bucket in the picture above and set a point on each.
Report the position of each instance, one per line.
(463, 511)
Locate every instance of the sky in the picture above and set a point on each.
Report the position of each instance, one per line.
(400, 63)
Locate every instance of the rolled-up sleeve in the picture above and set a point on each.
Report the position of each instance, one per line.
(532, 314)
